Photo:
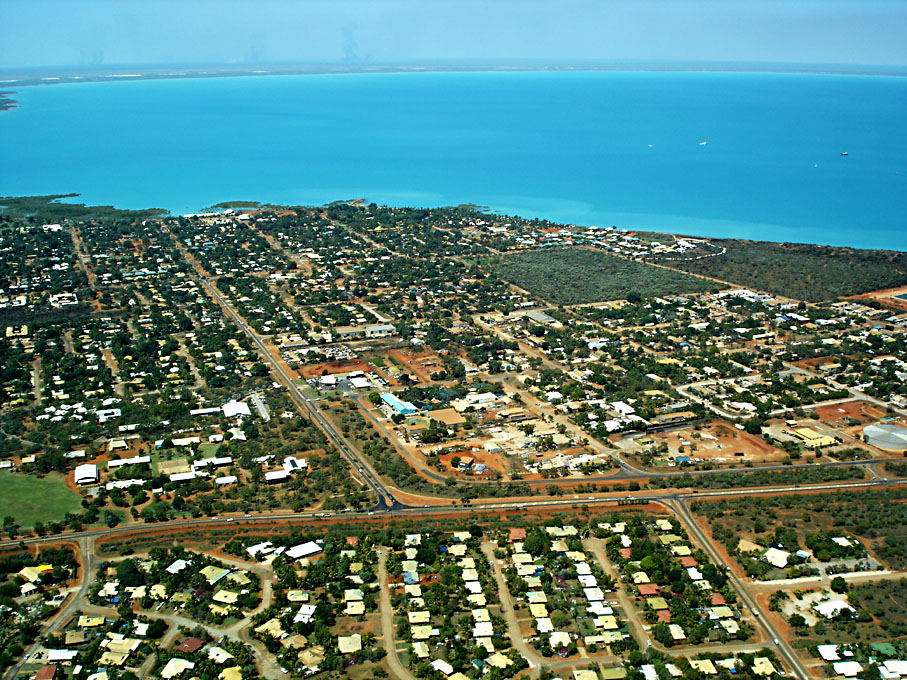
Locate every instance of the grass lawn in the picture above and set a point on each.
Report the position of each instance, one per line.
(32, 499)
(208, 450)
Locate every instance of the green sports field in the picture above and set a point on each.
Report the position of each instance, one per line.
(32, 499)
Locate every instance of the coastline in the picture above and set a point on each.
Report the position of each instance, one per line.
(302, 165)
(688, 231)
(7, 102)
(35, 77)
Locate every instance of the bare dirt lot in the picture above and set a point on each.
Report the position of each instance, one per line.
(421, 362)
(491, 461)
(889, 297)
(333, 367)
(719, 442)
(837, 414)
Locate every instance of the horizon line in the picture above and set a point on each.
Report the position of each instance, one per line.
(45, 75)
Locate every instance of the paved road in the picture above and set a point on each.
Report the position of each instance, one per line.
(856, 394)
(852, 577)
(627, 471)
(596, 547)
(78, 604)
(387, 620)
(385, 498)
(536, 661)
(71, 606)
(601, 499)
(388, 505)
(675, 501)
(786, 652)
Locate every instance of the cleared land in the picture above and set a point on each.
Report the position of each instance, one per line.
(572, 276)
(32, 499)
(801, 271)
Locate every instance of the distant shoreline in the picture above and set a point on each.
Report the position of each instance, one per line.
(55, 207)
(33, 77)
(6, 102)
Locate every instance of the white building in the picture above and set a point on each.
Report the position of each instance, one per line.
(86, 474)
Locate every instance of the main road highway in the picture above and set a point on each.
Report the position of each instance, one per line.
(680, 508)
(386, 500)
(401, 511)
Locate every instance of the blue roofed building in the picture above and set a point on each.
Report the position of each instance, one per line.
(402, 407)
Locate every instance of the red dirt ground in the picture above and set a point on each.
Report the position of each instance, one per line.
(332, 367)
(421, 362)
(887, 297)
(858, 410)
(731, 439)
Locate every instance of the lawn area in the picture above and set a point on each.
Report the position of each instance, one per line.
(208, 450)
(33, 499)
(579, 275)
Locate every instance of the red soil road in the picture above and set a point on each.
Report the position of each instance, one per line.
(887, 297)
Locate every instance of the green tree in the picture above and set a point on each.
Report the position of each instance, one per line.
(797, 621)
(537, 542)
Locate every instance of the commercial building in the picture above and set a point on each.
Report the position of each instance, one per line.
(812, 439)
(86, 474)
(399, 406)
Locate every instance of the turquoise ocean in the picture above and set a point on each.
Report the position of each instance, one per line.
(716, 154)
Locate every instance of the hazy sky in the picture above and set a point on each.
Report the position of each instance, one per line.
(166, 32)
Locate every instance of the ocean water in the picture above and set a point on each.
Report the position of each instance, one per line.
(716, 154)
